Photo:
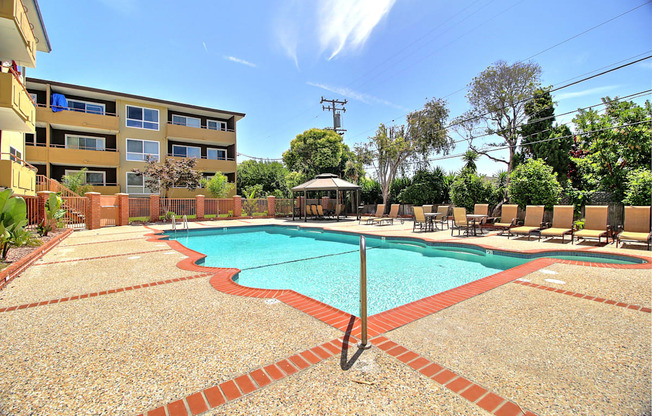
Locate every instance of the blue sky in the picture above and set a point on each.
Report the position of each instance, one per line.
(274, 59)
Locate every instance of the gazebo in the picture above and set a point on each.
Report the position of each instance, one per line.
(325, 182)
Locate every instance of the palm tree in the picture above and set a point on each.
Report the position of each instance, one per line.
(469, 158)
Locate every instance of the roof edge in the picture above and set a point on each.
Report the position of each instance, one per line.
(132, 96)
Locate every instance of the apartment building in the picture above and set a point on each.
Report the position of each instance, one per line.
(22, 33)
(110, 133)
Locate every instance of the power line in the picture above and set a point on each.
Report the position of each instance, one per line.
(542, 141)
(479, 116)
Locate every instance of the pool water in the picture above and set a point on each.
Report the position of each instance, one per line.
(326, 265)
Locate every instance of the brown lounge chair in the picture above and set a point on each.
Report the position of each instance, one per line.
(533, 221)
(393, 214)
(460, 222)
(637, 226)
(380, 211)
(419, 220)
(443, 219)
(508, 218)
(595, 223)
(321, 212)
(562, 222)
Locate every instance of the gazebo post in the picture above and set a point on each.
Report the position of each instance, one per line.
(305, 203)
(292, 205)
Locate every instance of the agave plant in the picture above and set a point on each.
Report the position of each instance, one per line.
(13, 218)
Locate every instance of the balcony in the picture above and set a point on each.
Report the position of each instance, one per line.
(66, 156)
(19, 176)
(17, 110)
(18, 41)
(89, 122)
(210, 165)
(201, 134)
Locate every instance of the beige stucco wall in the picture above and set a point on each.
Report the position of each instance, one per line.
(14, 139)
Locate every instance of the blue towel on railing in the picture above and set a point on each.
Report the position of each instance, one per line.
(59, 103)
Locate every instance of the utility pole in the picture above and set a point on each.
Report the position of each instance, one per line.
(337, 116)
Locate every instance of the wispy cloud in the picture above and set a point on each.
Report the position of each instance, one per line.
(590, 91)
(330, 27)
(205, 48)
(646, 64)
(240, 61)
(355, 95)
(348, 24)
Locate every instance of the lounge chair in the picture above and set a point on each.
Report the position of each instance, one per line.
(562, 223)
(637, 226)
(443, 219)
(427, 209)
(533, 221)
(393, 214)
(380, 211)
(320, 211)
(419, 220)
(340, 210)
(508, 218)
(314, 212)
(595, 223)
(460, 222)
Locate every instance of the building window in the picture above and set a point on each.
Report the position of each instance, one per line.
(142, 118)
(84, 142)
(186, 151)
(216, 154)
(34, 97)
(92, 177)
(186, 121)
(86, 107)
(136, 184)
(216, 125)
(138, 150)
(15, 155)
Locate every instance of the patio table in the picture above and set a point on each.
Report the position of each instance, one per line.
(430, 217)
(477, 219)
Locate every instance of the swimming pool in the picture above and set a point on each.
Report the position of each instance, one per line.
(325, 265)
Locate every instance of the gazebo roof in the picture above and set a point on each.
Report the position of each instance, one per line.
(326, 182)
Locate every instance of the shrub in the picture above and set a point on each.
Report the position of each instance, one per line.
(370, 192)
(426, 188)
(76, 182)
(469, 189)
(13, 217)
(218, 186)
(638, 189)
(534, 183)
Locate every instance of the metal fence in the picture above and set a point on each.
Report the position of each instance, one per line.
(254, 206)
(138, 207)
(283, 207)
(32, 211)
(217, 206)
(75, 215)
(179, 206)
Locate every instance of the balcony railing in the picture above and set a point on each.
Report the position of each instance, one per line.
(78, 110)
(14, 158)
(228, 159)
(200, 127)
(63, 146)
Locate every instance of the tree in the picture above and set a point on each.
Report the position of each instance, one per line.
(497, 97)
(469, 158)
(534, 183)
(639, 187)
(173, 173)
(218, 186)
(614, 143)
(317, 151)
(270, 175)
(76, 182)
(469, 189)
(539, 133)
(428, 187)
(393, 147)
(370, 192)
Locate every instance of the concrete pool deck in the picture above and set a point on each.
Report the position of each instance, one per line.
(111, 324)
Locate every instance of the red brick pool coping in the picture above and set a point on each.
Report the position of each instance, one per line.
(10, 272)
(222, 280)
